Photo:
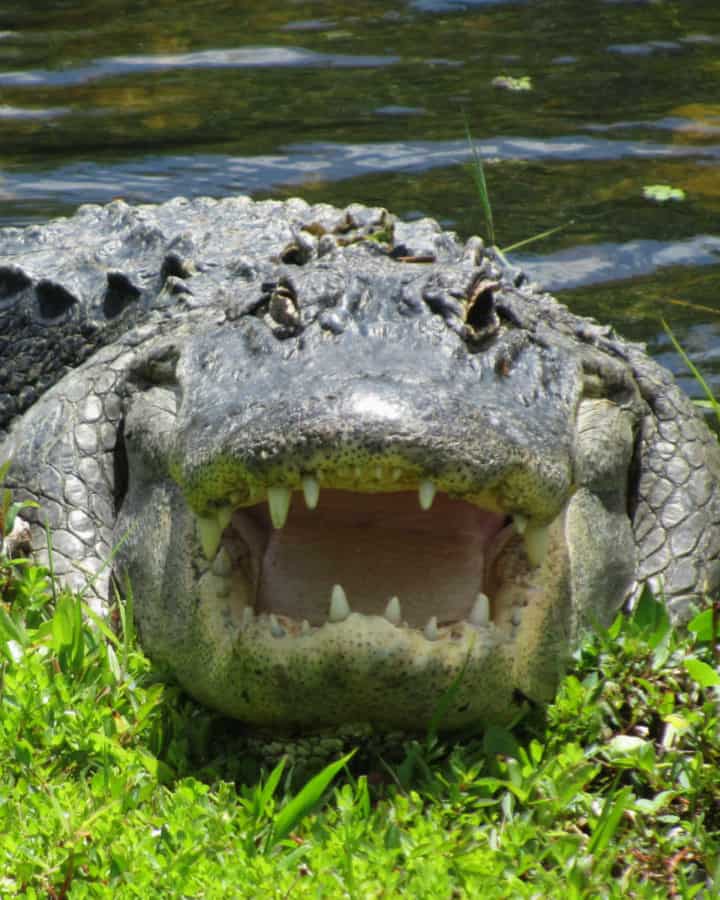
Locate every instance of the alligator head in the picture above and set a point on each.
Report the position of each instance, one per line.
(355, 482)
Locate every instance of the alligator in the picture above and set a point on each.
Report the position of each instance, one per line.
(349, 468)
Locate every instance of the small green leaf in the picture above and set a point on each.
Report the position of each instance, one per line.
(499, 741)
(651, 617)
(661, 193)
(702, 673)
(511, 83)
(702, 625)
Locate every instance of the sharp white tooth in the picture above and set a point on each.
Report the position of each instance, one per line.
(247, 616)
(393, 613)
(222, 564)
(210, 533)
(311, 491)
(339, 607)
(431, 630)
(426, 494)
(279, 503)
(276, 629)
(537, 541)
(520, 523)
(480, 613)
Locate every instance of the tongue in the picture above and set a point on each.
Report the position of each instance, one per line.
(376, 546)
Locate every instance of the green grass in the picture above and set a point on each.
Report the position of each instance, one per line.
(113, 784)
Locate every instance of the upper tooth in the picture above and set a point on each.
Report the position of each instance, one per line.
(339, 607)
(480, 613)
(223, 515)
(210, 533)
(279, 503)
(431, 630)
(536, 540)
(426, 494)
(393, 613)
(311, 491)
(520, 523)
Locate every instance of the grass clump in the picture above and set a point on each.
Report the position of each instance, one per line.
(114, 784)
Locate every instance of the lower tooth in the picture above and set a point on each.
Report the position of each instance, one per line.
(393, 613)
(480, 613)
(276, 629)
(279, 503)
(431, 630)
(339, 607)
(222, 565)
(537, 540)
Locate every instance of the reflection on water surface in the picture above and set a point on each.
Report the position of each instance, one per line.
(340, 103)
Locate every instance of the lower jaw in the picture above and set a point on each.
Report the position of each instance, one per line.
(362, 670)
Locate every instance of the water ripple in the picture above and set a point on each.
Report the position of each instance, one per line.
(232, 58)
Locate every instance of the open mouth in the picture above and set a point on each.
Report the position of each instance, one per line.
(432, 566)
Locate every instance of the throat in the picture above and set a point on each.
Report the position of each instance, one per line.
(376, 546)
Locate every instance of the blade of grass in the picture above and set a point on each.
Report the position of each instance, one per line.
(697, 375)
(300, 805)
(478, 174)
(612, 811)
(537, 237)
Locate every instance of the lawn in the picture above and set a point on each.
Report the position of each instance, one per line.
(115, 784)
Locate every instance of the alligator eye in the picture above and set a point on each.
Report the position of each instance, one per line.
(480, 310)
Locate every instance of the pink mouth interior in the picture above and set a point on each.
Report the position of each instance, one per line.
(376, 546)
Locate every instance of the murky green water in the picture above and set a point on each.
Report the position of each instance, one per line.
(342, 101)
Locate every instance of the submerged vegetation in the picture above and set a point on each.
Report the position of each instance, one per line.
(115, 784)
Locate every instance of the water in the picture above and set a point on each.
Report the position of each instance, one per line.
(367, 102)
